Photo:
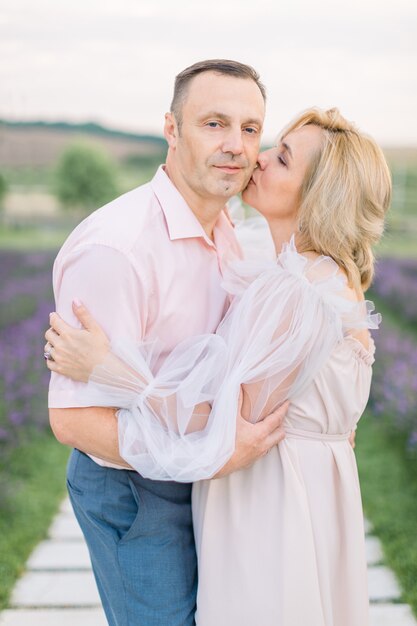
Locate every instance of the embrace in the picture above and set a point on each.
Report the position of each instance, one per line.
(211, 399)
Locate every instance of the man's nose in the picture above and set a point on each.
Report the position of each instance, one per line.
(233, 142)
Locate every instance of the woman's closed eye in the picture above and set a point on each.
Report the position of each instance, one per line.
(282, 160)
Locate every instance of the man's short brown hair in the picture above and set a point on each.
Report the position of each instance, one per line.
(220, 66)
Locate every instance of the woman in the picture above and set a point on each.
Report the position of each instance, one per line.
(280, 543)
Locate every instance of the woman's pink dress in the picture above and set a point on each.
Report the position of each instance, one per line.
(282, 543)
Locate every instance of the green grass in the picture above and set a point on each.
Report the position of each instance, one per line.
(34, 477)
(389, 483)
(51, 235)
(28, 176)
(26, 239)
(389, 492)
(398, 245)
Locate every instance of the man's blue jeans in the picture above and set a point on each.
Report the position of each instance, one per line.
(140, 537)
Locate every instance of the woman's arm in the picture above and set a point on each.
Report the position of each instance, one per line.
(77, 352)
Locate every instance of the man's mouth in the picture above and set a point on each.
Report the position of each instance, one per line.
(228, 169)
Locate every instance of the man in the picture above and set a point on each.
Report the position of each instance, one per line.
(149, 265)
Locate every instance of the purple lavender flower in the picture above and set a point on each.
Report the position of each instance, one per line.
(394, 388)
(25, 301)
(396, 283)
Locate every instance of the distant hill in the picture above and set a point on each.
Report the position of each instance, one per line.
(39, 144)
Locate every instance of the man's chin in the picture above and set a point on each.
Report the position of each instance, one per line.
(228, 188)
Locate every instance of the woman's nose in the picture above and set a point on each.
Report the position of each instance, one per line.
(262, 160)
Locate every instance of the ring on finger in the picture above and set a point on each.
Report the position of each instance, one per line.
(48, 354)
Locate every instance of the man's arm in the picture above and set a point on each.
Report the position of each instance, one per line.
(92, 430)
(105, 280)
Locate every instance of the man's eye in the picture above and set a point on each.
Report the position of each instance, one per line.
(213, 124)
(251, 130)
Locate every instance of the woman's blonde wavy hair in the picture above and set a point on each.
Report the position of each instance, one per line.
(344, 197)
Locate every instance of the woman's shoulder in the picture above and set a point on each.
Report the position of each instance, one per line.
(320, 266)
(330, 283)
(317, 269)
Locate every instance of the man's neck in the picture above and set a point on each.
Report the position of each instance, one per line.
(206, 209)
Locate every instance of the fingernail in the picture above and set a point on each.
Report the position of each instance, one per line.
(50, 315)
(77, 302)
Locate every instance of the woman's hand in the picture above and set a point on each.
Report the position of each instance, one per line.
(75, 352)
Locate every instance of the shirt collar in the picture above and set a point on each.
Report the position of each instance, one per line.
(181, 221)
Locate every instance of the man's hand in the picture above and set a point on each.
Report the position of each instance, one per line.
(255, 440)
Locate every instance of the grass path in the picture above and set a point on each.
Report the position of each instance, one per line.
(389, 493)
(389, 484)
(35, 476)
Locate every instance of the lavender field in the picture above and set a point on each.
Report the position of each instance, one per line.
(393, 398)
(25, 301)
(396, 284)
(394, 390)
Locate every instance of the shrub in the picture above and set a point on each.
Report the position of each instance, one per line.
(85, 178)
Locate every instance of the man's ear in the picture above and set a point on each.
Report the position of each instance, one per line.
(171, 130)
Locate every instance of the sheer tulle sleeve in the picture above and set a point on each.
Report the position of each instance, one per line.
(285, 320)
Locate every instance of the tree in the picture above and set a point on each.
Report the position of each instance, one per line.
(85, 178)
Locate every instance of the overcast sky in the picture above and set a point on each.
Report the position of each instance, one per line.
(114, 61)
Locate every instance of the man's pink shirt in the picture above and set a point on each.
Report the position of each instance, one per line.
(145, 268)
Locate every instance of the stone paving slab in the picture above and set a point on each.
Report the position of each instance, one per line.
(66, 507)
(65, 527)
(380, 615)
(390, 615)
(53, 617)
(56, 589)
(59, 555)
(374, 552)
(383, 585)
(59, 588)
(368, 527)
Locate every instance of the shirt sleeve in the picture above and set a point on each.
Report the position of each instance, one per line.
(106, 281)
(280, 330)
